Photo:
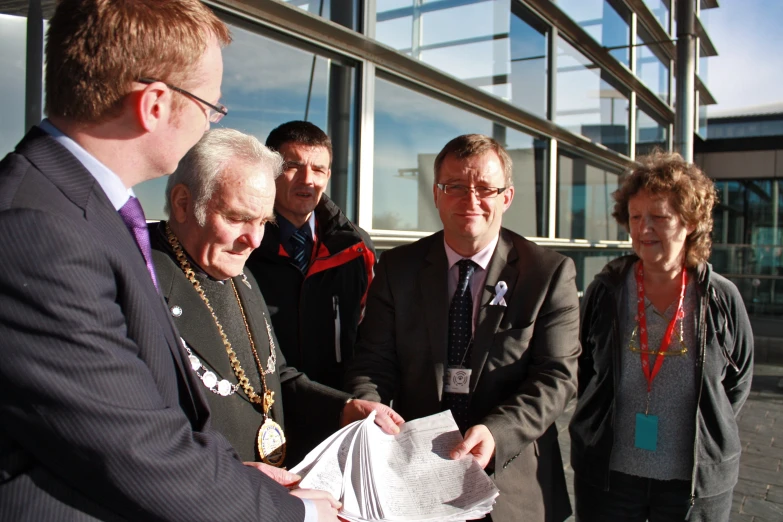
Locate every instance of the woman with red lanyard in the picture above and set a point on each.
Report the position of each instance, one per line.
(666, 365)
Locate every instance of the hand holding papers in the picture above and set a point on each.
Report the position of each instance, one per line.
(386, 418)
(478, 442)
(408, 476)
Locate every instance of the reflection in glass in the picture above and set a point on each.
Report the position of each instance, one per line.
(701, 130)
(587, 103)
(660, 8)
(602, 20)
(651, 68)
(266, 83)
(343, 12)
(590, 262)
(410, 130)
(495, 45)
(650, 134)
(748, 241)
(584, 200)
(13, 42)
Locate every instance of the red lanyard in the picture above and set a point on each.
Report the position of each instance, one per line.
(650, 374)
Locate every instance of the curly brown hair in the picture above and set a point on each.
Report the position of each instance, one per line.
(689, 190)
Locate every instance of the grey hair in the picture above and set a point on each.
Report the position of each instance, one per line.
(203, 165)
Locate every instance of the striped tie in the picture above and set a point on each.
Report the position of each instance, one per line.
(298, 242)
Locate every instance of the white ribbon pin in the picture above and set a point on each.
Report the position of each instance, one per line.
(500, 291)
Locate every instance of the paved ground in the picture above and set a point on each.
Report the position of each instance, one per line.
(758, 496)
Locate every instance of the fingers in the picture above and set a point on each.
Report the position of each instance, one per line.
(478, 442)
(385, 417)
(386, 424)
(317, 494)
(279, 475)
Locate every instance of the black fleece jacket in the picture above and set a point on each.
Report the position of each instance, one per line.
(723, 377)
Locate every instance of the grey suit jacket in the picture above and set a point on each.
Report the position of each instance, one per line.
(100, 415)
(524, 359)
(312, 410)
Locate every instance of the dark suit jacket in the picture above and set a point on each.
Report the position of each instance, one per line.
(313, 410)
(524, 359)
(100, 415)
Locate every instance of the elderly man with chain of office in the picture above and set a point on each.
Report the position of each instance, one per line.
(218, 200)
(481, 321)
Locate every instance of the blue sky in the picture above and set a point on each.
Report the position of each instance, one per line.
(747, 73)
(748, 70)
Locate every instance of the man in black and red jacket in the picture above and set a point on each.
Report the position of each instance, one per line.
(313, 266)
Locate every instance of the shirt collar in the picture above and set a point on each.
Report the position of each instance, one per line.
(287, 228)
(481, 258)
(111, 184)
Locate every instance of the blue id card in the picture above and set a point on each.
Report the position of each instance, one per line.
(646, 432)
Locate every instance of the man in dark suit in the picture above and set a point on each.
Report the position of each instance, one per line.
(481, 321)
(219, 200)
(102, 417)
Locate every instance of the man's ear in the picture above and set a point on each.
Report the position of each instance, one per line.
(508, 197)
(435, 194)
(152, 105)
(180, 202)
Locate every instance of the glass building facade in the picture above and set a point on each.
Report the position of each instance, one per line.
(574, 89)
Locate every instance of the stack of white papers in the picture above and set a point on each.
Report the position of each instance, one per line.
(408, 476)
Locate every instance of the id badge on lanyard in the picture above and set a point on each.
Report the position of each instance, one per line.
(646, 432)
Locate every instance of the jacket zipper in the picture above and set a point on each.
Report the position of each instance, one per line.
(702, 354)
(337, 351)
(726, 353)
(615, 376)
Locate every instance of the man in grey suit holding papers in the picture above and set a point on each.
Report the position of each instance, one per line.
(479, 320)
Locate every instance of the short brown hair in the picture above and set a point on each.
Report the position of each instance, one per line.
(302, 132)
(469, 145)
(688, 189)
(96, 49)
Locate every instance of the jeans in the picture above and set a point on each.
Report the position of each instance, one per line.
(639, 499)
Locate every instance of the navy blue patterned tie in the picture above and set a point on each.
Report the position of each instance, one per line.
(460, 336)
(298, 242)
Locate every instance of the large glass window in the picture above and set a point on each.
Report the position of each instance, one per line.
(587, 103)
(748, 241)
(584, 200)
(13, 35)
(660, 8)
(602, 19)
(266, 83)
(343, 12)
(650, 133)
(651, 66)
(495, 45)
(701, 121)
(590, 262)
(411, 129)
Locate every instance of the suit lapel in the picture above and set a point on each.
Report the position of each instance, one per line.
(254, 307)
(78, 185)
(433, 287)
(197, 326)
(502, 267)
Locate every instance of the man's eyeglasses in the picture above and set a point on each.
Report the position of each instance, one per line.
(215, 113)
(460, 191)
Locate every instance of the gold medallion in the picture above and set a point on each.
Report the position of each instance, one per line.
(271, 443)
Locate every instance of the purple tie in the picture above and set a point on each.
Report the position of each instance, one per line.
(133, 216)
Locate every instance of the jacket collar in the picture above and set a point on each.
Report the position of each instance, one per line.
(614, 273)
